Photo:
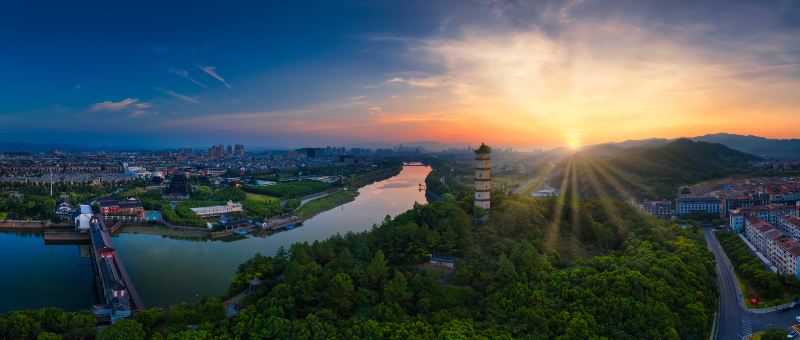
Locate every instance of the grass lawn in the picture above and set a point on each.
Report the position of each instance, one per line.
(259, 197)
(326, 203)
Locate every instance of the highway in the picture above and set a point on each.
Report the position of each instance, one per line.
(736, 321)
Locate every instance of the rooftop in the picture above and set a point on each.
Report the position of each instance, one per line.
(483, 149)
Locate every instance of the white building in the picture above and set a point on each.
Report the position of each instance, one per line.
(783, 251)
(137, 172)
(546, 191)
(84, 219)
(656, 208)
(218, 209)
(758, 232)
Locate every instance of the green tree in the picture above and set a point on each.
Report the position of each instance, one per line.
(774, 334)
(340, 293)
(396, 290)
(377, 270)
(122, 330)
(48, 336)
(54, 320)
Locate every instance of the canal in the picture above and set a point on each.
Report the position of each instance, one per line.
(170, 270)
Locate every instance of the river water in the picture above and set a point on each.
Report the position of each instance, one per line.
(168, 270)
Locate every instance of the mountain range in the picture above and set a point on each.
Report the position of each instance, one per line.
(759, 146)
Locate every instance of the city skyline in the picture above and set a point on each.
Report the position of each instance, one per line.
(524, 75)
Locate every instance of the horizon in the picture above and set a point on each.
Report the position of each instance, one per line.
(443, 146)
(345, 73)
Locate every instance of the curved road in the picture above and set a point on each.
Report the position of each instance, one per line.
(735, 321)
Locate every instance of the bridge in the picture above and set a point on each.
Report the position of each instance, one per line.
(117, 294)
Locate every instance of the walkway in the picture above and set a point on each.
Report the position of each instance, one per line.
(309, 198)
(101, 238)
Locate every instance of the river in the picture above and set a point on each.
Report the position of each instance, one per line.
(168, 270)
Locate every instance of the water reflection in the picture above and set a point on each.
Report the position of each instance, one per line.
(168, 270)
(34, 274)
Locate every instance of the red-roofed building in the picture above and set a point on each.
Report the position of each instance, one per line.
(768, 213)
(758, 232)
(784, 252)
(790, 225)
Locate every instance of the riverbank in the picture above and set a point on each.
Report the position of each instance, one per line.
(319, 205)
(170, 266)
(161, 230)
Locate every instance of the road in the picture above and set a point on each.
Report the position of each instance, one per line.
(735, 321)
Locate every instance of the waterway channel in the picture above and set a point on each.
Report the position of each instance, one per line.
(168, 270)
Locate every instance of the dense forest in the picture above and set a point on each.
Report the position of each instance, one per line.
(517, 274)
(654, 280)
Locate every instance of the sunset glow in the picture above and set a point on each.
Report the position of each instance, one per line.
(521, 75)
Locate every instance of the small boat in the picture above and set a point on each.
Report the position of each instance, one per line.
(242, 232)
(289, 226)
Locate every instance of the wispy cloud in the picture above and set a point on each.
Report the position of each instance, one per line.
(185, 75)
(135, 107)
(212, 71)
(427, 82)
(114, 106)
(188, 99)
(76, 88)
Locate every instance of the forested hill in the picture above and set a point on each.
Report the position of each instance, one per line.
(655, 172)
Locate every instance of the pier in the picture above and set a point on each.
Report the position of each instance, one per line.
(117, 293)
(276, 224)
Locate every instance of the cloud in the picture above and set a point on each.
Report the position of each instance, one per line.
(115, 106)
(188, 99)
(135, 107)
(185, 74)
(427, 82)
(76, 88)
(212, 71)
(565, 12)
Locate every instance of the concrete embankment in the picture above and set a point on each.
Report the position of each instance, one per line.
(32, 224)
(65, 235)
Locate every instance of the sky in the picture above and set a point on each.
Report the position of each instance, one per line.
(510, 73)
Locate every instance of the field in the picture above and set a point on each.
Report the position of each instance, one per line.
(290, 189)
(259, 197)
(326, 203)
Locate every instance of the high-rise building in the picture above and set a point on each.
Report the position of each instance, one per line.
(229, 151)
(238, 150)
(483, 169)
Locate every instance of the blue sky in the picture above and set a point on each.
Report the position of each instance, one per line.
(195, 73)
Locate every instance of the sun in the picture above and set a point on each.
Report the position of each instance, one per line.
(573, 143)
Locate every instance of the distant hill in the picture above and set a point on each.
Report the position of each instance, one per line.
(656, 172)
(643, 143)
(760, 146)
